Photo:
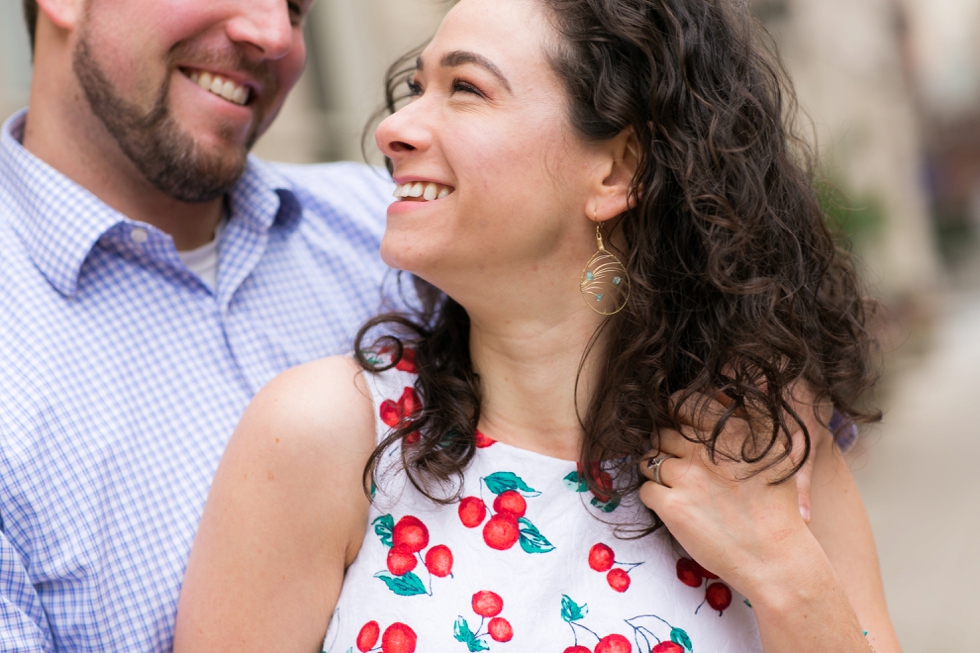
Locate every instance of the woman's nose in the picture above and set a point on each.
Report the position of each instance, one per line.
(403, 132)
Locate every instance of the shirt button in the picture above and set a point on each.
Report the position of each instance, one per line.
(139, 235)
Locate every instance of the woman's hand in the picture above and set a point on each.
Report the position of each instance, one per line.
(750, 532)
(732, 521)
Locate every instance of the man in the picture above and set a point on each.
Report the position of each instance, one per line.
(152, 279)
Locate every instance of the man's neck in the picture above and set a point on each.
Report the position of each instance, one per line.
(76, 144)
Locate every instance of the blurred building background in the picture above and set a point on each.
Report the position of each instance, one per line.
(891, 91)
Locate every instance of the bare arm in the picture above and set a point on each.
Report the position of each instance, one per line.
(284, 517)
(840, 524)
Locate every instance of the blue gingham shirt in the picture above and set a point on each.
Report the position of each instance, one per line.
(122, 376)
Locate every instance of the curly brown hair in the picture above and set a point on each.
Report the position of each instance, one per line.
(738, 285)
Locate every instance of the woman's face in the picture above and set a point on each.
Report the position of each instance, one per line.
(486, 133)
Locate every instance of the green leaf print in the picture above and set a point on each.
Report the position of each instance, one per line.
(572, 611)
(407, 585)
(532, 541)
(605, 506)
(463, 634)
(680, 637)
(575, 483)
(384, 527)
(503, 481)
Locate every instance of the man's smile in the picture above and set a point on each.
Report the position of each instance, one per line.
(225, 88)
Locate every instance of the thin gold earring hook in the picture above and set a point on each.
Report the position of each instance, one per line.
(598, 229)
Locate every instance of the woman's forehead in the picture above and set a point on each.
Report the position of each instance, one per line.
(507, 32)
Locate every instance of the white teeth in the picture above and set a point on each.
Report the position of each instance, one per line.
(426, 191)
(228, 91)
(225, 88)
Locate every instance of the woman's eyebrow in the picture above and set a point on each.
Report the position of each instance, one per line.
(462, 57)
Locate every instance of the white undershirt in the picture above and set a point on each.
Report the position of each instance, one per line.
(203, 261)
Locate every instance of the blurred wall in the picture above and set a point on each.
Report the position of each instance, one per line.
(849, 60)
(15, 58)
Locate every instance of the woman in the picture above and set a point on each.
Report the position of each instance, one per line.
(643, 141)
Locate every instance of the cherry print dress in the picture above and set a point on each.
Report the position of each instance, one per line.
(527, 562)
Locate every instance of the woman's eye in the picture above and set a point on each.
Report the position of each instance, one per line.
(414, 88)
(459, 86)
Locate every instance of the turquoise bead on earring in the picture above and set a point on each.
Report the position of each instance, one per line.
(605, 279)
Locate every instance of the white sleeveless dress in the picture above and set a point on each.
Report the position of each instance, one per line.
(528, 561)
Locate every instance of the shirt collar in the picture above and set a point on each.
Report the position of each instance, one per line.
(60, 222)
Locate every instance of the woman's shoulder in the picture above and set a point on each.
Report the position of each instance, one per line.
(310, 413)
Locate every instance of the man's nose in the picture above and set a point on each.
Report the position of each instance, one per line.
(265, 26)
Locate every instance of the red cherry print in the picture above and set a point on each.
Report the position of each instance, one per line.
(718, 596)
(487, 604)
(604, 484)
(614, 644)
(704, 572)
(689, 572)
(398, 638)
(482, 441)
(412, 533)
(401, 560)
(667, 647)
(391, 413)
(577, 649)
(410, 403)
(368, 637)
(472, 512)
(407, 363)
(501, 532)
(602, 478)
(512, 502)
(439, 561)
(413, 438)
(500, 629)
(601, 557)
(618, 579)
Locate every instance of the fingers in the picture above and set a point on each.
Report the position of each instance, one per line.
(700, 411)
(654, 497)
(663, 469)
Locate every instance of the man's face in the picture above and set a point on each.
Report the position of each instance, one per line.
(143, 65)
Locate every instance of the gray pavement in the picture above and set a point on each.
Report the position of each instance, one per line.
(918, 473)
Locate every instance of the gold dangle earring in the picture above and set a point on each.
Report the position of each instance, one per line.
(605, 283)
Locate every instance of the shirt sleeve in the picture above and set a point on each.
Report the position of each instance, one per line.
(24, 626)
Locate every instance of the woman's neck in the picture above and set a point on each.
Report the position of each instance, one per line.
(528, 371)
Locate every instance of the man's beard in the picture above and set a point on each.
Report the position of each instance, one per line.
(153, 140)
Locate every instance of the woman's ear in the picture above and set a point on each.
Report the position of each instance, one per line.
(63, 14)
(614, 194)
